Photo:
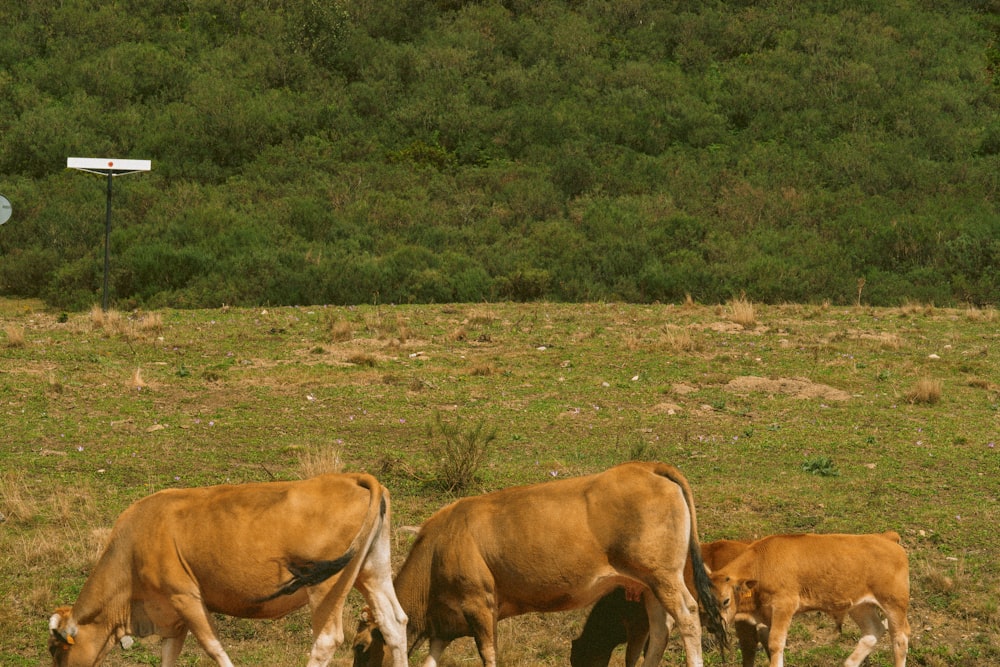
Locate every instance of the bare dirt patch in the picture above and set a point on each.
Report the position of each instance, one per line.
(797, 387)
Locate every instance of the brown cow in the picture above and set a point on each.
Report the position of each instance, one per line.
(249, 550)
(853, 575)
(619, 618)
(550, 547)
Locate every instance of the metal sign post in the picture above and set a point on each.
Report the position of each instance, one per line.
(111, 168)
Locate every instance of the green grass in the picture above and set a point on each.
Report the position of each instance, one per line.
(235, 395)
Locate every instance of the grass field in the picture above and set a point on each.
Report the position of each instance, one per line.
(784, 419)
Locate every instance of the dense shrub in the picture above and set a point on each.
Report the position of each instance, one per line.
(349, 151)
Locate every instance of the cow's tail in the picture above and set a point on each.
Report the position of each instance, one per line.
(311, 573)
(703, 584)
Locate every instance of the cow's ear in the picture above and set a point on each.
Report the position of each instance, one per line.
(750, 584)
(64, 635)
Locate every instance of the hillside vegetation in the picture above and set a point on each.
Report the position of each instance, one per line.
(353, 151)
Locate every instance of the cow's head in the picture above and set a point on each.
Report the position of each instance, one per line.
(736, 596)
(71, 645)
(62, 635)
(369, 646)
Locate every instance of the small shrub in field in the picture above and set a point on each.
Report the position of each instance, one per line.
(925, 390)
(459, 453)
(15, 336)
(741, 311)
(640, 449)
(820, 465)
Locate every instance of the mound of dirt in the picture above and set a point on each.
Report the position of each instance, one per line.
(797, 387)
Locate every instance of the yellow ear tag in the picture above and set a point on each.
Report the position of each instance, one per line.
(745, 599)
(70, 640)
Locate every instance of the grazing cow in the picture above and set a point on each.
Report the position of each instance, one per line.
(249, 550)
(842, 575)
(620, 618)
(553, 546)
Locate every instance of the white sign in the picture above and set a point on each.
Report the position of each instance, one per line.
(105, 165)
(4, 209)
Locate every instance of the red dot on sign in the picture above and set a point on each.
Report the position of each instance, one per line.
(111, 164)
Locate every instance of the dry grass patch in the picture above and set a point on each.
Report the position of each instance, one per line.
(974, 314)
(402, 330)
(149, 323)
(318, 463)
(979, 383)
(916, 308)
(679, 340)
(361, 359)
(55, 386)
(926, 390)
(15, 498)
(97, 317)
(15, 335)
(137, 383)
(482, 316)
(115, 323)
(742, 312)
(633, 342)
(339, 331)
(890, 341)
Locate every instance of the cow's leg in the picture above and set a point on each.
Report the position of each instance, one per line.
(192, 610)
(636, 644)
(781, 621)
(327, 637)
(748, 638)
(436, 647)
(637, 632)
(485, 633)
(171, 648)
(867, 618)
(326, 602)
(375, 584)
(659, 626)
(674, 597)
(899, 634)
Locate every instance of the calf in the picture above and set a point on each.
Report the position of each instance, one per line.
(777, 577)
